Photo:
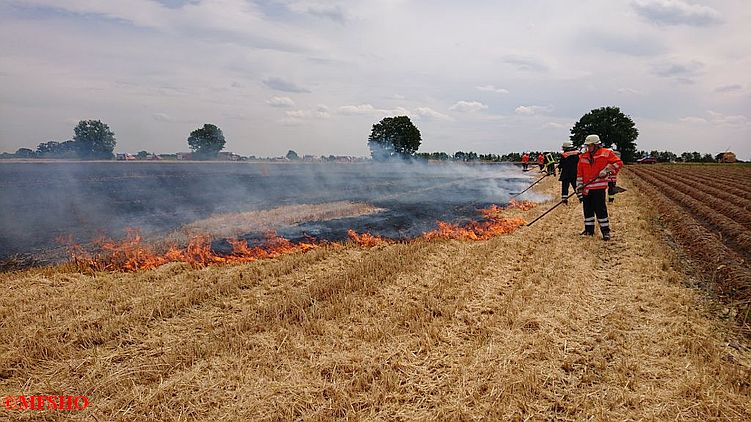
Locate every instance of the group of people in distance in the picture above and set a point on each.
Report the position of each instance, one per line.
(590, 173)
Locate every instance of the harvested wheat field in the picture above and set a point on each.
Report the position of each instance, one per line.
(535, 324)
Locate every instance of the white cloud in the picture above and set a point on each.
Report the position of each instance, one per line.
(676, 12)
(555, 125)
(367, 109)
(319, 9)
(729, 88)
(281, 84)
(280, 102)
(630, 91)
(694, 120)
(429, 113)
(162, 117)
(718, 119)
(532, 110)
(358, 109)
(526, 63)
(468, 106)
(727, 119)
(320, 112)
(492, 88)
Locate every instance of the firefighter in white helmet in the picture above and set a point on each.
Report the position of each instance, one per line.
(595, 166)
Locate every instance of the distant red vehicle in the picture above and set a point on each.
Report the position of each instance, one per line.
(647, 160)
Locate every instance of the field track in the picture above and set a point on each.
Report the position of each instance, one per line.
(537, 324)
(708, 208)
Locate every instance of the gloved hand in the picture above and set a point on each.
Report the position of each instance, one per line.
(605, 172)
(580, 196)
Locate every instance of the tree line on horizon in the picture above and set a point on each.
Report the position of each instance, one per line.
(391, 138)
(93, 140)
(397, 137)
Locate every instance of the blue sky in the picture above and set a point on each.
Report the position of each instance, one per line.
(314, 76)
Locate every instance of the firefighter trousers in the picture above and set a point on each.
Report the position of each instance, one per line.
(564, 187)
(594, 205)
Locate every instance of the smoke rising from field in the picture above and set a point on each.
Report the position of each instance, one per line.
(40, 202)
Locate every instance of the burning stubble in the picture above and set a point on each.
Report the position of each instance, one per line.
(89, 202)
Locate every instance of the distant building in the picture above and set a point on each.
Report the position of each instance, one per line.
(228, 156)
(184, 156)
(728, 157)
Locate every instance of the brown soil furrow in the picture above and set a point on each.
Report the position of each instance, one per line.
(709, 185)
(727, 270)
(704, 195)
(735, 235)
(731, 187)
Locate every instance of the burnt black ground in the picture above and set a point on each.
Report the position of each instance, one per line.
(40, 202)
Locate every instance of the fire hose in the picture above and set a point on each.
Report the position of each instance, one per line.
(565, 199)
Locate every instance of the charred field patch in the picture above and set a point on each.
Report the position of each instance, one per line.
(42, 203)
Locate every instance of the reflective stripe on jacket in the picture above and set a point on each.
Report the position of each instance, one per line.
(590, 166)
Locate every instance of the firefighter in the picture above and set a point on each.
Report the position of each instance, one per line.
(595, 165)
(541, 162)
(612, 180)
(550, 164)
(567, 166)
(525, 161)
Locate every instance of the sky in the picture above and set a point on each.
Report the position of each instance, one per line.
(313, 76)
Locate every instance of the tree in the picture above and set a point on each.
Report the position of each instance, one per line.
(94, 140)
(613, 127)
(49, 148)
(24, 153)
(142, 155)
(206, 142)
(394, 137)
(292, 155)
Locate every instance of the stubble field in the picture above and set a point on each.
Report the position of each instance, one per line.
(535, 324)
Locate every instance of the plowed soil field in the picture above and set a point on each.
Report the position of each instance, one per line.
(708, 211)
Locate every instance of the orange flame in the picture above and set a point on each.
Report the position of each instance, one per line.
(521, 205)
(496, 224)
(131, 254)
(366, 239)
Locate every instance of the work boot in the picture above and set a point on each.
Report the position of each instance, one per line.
(606, 236)
(565, 201)
(611, 200)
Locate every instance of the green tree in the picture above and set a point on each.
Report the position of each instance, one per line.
(206, 142)
(394, 137)
(292, 155)
(613, 127)
(25, 153)
(707, 158)
(94, 140)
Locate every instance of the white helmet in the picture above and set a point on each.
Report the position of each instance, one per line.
(592, 139)
(567, 144)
